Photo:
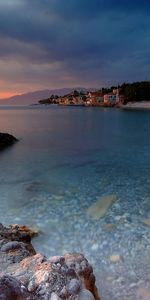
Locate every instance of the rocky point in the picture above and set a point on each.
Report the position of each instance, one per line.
(25, 275)
(6, 140)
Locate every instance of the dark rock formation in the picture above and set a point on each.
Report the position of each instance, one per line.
(6, 140)
(27, 275)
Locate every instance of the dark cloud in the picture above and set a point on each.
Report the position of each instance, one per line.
(88, 9)
(93, 41)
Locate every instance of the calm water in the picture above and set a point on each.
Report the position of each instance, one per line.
(66, 159)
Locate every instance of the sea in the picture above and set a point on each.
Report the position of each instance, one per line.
(68, 158)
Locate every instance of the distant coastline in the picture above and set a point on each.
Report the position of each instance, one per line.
(114, 96)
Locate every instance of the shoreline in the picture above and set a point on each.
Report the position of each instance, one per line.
(144, 105)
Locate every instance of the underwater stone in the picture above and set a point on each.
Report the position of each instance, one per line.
(99, 208)
(115, 258)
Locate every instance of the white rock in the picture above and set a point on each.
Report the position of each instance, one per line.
(132, 285)
(54, 297)
(94, 247)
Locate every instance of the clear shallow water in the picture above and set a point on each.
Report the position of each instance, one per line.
(66, 159)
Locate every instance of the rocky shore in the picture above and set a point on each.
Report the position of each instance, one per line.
(27, 275)
(6, 140)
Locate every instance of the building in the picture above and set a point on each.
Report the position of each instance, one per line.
(112, 98)
(95, 98)
(71, 99)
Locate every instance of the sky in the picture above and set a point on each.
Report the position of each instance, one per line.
(68, 43)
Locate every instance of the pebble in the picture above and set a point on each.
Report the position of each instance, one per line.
(119, 280)
(94, 247)
(127, 225)
(115, 258)
(23, 288)
(132, 285)
(32, 286)
(54, 296)
(85, 295)
(41, 292)
(109, 226)
(118, 218)
(55, 267)
(110, 278)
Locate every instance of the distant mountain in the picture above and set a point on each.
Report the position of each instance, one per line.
(34, 97)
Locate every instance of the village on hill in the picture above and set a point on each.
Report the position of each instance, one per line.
(80, 98)
(105, 97)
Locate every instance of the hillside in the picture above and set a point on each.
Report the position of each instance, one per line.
(34, 97)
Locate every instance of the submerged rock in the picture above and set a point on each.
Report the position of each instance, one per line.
(99, 208)
(6, 140)
(27, 275)
(146, 222)
(109, 226)
(32, 231)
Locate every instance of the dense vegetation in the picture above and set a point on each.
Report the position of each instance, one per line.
(136, 91)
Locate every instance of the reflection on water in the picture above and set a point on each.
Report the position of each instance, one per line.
(67, 159)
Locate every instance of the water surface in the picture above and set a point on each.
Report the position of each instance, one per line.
(66, 159)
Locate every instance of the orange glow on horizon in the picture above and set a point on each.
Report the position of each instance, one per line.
(6, 95)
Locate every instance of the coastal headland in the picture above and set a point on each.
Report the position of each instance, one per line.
(125, 95)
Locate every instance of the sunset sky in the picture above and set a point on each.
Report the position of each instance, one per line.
(68, 43)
